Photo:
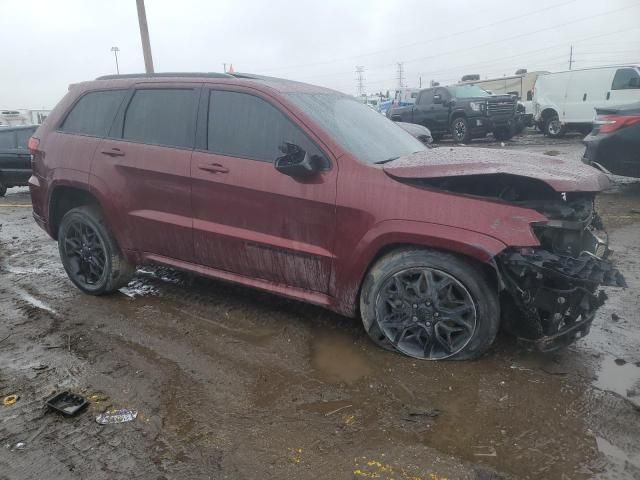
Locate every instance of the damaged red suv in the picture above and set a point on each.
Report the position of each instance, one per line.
(307, 193)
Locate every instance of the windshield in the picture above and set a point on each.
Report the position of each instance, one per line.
(468, 91)
(365, 133)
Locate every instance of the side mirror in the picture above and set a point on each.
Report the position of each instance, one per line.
(296, 162)
(437, 99)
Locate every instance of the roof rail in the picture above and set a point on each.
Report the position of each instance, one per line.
(166, 75)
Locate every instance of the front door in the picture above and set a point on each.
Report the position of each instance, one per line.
(249, 218)
(144, 168)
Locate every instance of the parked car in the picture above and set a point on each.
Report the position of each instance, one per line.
(464, 111)
(308, 193)
(614, 143)
(521, 85)
(567, 100)
(15, 159)
(417, 131)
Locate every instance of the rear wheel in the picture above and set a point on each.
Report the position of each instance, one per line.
(3, 190)
(460, 130)
(553, 127)
(90, 254)
(429, 305)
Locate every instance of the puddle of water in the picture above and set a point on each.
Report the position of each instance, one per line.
(621, 378)
(616, 455)
(337, 358)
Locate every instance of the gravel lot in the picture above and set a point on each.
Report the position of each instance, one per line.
(232, 383)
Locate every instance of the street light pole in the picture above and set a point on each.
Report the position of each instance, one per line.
(144, 36)
(115, 51)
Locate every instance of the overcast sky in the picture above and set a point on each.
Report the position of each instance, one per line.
(48, 44)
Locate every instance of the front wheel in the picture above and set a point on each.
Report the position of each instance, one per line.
(90, 254)
(553, 127)
(3, 190)
(460, 130)
(429, 305)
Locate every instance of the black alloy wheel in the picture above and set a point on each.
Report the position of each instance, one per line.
(426, 313)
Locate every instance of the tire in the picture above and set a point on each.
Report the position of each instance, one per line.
(553, 128)
(89, 253)
(467, 282)
(3, 190)
(460, 130)
(503, 134)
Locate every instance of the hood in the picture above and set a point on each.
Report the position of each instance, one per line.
(560, 174)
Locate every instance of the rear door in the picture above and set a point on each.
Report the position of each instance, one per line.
(625, 87)
(143, 168)
(8, 152)
(249, 218)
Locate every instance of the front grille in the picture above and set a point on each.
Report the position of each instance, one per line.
(503, 107)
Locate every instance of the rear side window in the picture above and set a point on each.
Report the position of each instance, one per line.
(626, 78)
(426, 97)
(243, 125)
(7, 140)
(22, 137)
(161, 117)
(94, 113)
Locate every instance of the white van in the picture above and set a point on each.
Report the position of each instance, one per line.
(567, 100)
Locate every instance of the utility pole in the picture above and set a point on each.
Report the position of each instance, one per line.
(400, 74)
(360, 80)
(115, 51)
(420, 81)
(570, 57)
(144, 36)
(224, 66)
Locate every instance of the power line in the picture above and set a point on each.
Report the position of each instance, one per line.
(423, 42)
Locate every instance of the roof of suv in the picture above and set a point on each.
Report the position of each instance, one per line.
(278, 84)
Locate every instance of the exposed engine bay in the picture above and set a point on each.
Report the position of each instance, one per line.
(549, 294)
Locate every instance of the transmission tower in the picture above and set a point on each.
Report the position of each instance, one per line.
(400, 74)
(360, 80)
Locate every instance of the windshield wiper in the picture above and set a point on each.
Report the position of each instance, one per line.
(386, 161)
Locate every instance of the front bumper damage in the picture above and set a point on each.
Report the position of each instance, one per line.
(552, 299)
(551, 294)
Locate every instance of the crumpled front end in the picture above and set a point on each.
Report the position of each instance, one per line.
(551, 293)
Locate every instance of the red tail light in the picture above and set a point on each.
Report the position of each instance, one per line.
(611, 123)
(33, 145)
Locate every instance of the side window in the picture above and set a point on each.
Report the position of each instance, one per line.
(426, 97)
(7, 140)
(94, 112)
(246, 126)
(161, 116)
(22, 137)
(626, 78)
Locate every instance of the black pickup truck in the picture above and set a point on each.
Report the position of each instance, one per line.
(464, 111)
(15, 159)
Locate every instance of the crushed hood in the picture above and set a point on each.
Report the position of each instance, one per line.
(560, 174)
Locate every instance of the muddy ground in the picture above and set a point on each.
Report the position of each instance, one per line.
(230, 383)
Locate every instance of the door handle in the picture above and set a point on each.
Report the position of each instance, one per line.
(114, 152)
(213, 168)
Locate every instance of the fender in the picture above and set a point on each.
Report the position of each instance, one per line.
(391, 233)
(62, 177)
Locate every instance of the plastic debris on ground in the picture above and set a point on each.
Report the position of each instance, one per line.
(116, 416)
(67, 403)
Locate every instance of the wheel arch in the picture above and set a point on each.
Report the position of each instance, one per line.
(477, 248)
(548, 112)
(64, 197)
